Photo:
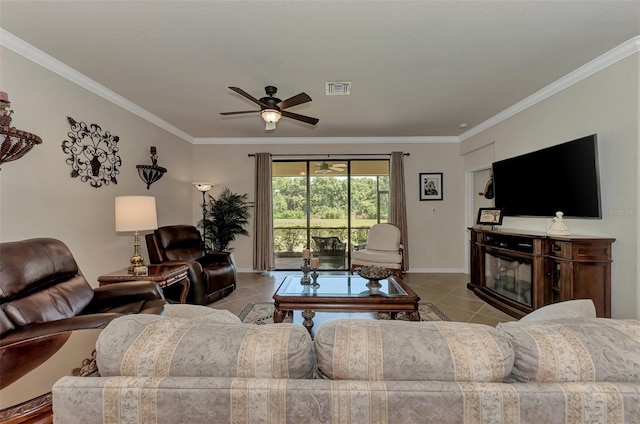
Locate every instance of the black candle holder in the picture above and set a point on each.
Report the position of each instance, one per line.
(305, 271)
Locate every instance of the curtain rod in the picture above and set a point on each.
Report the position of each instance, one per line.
(330, 154)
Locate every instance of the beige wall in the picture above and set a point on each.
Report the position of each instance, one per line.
(607, 104)
(436, 227)
(38, 198)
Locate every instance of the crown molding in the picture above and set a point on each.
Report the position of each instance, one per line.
(609, 58)
(327, 140)
(39, 57)
(36, 55)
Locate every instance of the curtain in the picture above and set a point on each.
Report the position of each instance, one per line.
(398, 203)
(263, 256)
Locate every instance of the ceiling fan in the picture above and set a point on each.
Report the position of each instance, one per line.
(272, 108)
(325, 168)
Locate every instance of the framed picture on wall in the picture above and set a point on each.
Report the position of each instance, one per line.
(431, 186)
(490, 216)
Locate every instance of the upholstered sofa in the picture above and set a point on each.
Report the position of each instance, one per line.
(212, 275)
(171, 370)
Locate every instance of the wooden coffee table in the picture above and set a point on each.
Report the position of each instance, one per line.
(344, 293)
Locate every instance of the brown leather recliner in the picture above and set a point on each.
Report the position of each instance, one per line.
(43, 292)
(212, 275)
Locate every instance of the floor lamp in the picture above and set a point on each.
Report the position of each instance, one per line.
(204, 188)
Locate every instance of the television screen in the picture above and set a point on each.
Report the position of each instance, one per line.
(558, 178)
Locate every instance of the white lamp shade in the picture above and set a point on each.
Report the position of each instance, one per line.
(204, 187)
(136, 213)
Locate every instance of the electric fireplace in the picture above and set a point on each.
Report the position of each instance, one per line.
(519, 272)
(509, 276)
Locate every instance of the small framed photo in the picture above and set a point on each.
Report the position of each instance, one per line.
(431, 186)
(490, 216)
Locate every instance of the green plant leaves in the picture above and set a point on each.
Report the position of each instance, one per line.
(225, 219)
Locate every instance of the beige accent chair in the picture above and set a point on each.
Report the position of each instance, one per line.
(383, 248)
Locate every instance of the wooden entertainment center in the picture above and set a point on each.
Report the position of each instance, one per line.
(519, 272)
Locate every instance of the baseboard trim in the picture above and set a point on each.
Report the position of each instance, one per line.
(435, 271)
(411, 271)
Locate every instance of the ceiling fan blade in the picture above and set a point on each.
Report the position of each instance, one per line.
(298, 99)
(307, 119)
(248, 96)
(238, 113)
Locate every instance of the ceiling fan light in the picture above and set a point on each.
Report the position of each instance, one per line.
(271, 115)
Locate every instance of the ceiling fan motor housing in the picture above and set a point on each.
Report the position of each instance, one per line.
(270, 101)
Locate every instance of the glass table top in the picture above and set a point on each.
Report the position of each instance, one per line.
(339, 286)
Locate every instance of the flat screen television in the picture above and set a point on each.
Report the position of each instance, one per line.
(562, 178)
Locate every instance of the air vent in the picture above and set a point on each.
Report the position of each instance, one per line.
(338, 88)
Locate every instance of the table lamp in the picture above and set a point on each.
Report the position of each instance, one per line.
(136, 213)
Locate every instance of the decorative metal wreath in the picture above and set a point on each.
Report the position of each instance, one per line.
(93, 156)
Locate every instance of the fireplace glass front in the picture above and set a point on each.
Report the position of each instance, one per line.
(510, 277)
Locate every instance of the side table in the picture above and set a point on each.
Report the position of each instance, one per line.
(163, 275)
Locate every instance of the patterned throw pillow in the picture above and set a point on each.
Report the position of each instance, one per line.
(578, 350)
(148, 346)
(352, 349)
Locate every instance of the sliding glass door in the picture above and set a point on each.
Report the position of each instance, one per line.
(327, 207)
(369, 203)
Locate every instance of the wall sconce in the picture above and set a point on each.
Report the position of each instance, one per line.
(136, 213)
(14, 143)
(151, 173)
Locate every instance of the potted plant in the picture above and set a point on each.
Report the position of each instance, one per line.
(225, 218)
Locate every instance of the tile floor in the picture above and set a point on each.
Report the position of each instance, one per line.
(447, 291)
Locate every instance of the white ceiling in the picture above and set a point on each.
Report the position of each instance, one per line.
(418, 68)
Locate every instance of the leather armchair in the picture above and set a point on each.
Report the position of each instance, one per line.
(42, 291)
(212, 275)
(50, 319)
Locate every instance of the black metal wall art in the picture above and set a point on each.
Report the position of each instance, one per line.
(93, 156)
